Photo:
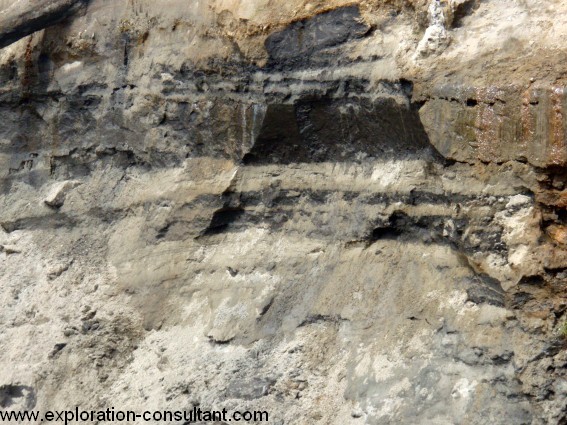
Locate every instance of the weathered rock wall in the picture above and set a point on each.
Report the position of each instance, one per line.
(338, 212)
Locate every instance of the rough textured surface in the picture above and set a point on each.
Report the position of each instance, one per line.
(335, 211)
(21, 18)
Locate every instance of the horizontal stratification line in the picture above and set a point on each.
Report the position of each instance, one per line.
(290, 196)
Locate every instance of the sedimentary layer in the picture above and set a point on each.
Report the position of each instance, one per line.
(337, 212)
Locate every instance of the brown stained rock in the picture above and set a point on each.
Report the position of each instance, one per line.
(499, 124)
(339, 268)
(558, 233)
(553, 198)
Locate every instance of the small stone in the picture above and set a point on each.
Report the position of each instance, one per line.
(58, 270)
(357, 413)
(518, 200)
(57, 348)
(316, 415)
(58, 193)
(558, 183)
(9, 249)
(69, 332)
(449, 229)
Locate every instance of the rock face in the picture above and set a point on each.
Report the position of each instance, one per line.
(22, 18)
(500, 125)
(333, 211)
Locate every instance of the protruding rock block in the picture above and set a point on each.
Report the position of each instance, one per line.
(499, 124)
(26, 17)
(58, 193)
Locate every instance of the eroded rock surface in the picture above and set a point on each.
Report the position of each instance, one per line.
(334, 211)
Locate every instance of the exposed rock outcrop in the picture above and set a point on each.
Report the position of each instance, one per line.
(334, 211)
(22, 18)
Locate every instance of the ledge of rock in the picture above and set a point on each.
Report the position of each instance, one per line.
(499, 124)
(332, 211)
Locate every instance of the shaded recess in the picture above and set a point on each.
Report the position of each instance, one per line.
(462, 10)
(337, 130)
(222, 218)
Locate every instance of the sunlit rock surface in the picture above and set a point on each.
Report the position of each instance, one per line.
(338, 212)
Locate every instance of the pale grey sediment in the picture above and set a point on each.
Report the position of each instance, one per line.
(337, 213)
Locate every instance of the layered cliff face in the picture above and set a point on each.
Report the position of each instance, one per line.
(334, 211)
